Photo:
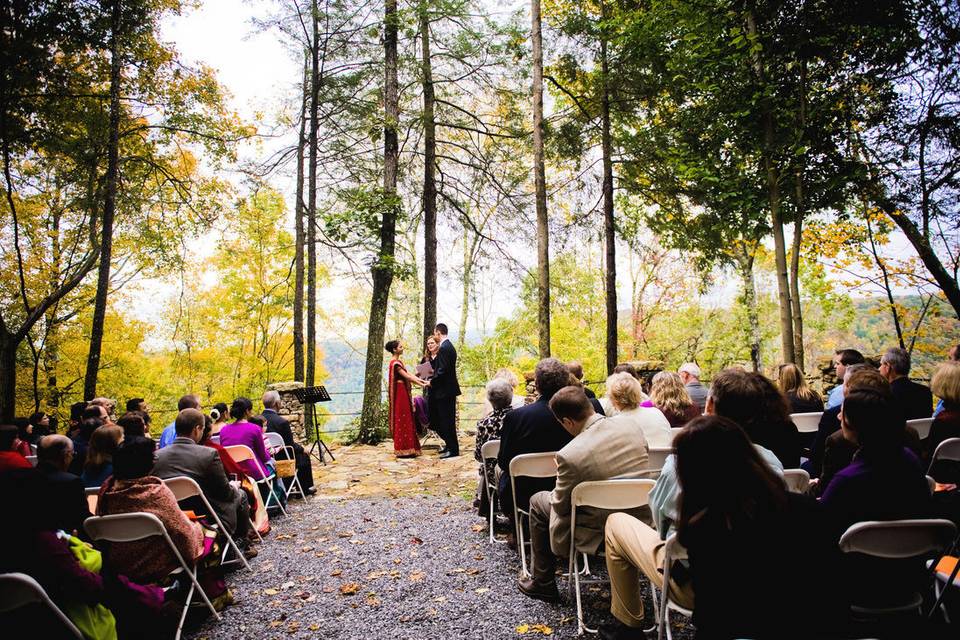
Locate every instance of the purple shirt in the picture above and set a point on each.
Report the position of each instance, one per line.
(251, 435)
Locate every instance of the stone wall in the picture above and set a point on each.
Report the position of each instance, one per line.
(290, 407)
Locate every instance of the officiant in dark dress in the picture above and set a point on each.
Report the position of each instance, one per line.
(444, 389)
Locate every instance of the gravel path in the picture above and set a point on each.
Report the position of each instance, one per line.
(412, 567)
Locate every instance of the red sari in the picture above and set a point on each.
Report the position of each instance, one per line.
(405, 441)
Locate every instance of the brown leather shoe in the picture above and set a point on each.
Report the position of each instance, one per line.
(547, 593)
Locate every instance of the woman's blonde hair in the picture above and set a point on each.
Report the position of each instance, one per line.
(668, 393)
(103, 444)
(791, 378)
(624, 391)
(945, 383)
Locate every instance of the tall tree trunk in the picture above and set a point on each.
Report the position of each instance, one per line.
(609, 227)
(891, 304)
(8, 374)
(745, 267)
(429, 183)
(467, 277)
(773, 192)
(540, 185)
(109, 209)
(801, 213)
(51, 344)
(298, 355)
(383, 266)
(311, 355)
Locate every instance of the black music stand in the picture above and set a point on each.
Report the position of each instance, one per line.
(311, 396)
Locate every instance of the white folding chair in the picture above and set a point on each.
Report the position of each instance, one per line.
(33, 449)
(807, 422)
(184, 488)
(922, 425)
(130, 527)
(32, 460)
(489, 451)
(897, 539)
(528, 465)
(274, 443)
(93, 497)
(18, 590)
(612, 495)
(656, 457)
(946, 572)
(673, 550)
(241, 453)
(949, 449)
(797, 480)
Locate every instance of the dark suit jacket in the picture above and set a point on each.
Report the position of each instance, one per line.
(187, 458)
(64, 496)
(444, 382)
(829, 423)
(915, 400)
(529, 429)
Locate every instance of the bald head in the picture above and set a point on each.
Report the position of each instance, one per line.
(56, 450)
(189, 423)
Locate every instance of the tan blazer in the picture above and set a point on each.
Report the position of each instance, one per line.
(606, 448)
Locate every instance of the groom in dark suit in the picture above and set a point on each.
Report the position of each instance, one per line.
(444, 390)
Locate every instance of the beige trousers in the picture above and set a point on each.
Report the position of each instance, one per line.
(632, 547)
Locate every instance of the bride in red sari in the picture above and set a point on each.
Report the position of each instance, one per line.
(402, 428)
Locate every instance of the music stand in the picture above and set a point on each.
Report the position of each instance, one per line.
(311, 396)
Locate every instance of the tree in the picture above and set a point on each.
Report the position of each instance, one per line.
(540, 184)
(383, 267)
(429, 181)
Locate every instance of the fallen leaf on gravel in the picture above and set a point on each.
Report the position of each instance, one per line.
(333, 548)
(372, 600)
(307, 548)
(345, 534)
(284, 536)
(417, 576)
(356, 541)
(328, 589)
(287, 585)
(276, 623)
(293, 626)
(535, 628)
(478, 527)
(405, 618)
(335, 573)
(349, 588)
(416, 540)
(473, 571)
(397, 561)
(481, 590)
(373, 575)
(440, 599)
(271, 592)
(314, 627)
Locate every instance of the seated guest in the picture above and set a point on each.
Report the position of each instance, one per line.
(278, 424)
(794, 386)
(10, 457)
(24, 437)
(63, 491)
(169, 433)
(602, 448)
(99, 463)
(842, 359)
(242, 431)
(500, 397)
(632, 544)
(670, 396)
(828, 425)
(769, 425)
(134, 425)
(258, 509)
(132, 489)
(731, 530)
(138, 404)
(690, 373)
(946, 385)
(953, 355)
(108, 405)
(220, 415)
(576, 370)
(915, 400)
(76, 417)
(186, 457)
(606, 403)
(39, 427)
(532, 429)
(838, 451)
(885, 481)
(94, 416)
(626, 395)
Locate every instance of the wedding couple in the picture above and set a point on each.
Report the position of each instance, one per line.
(439, 380)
